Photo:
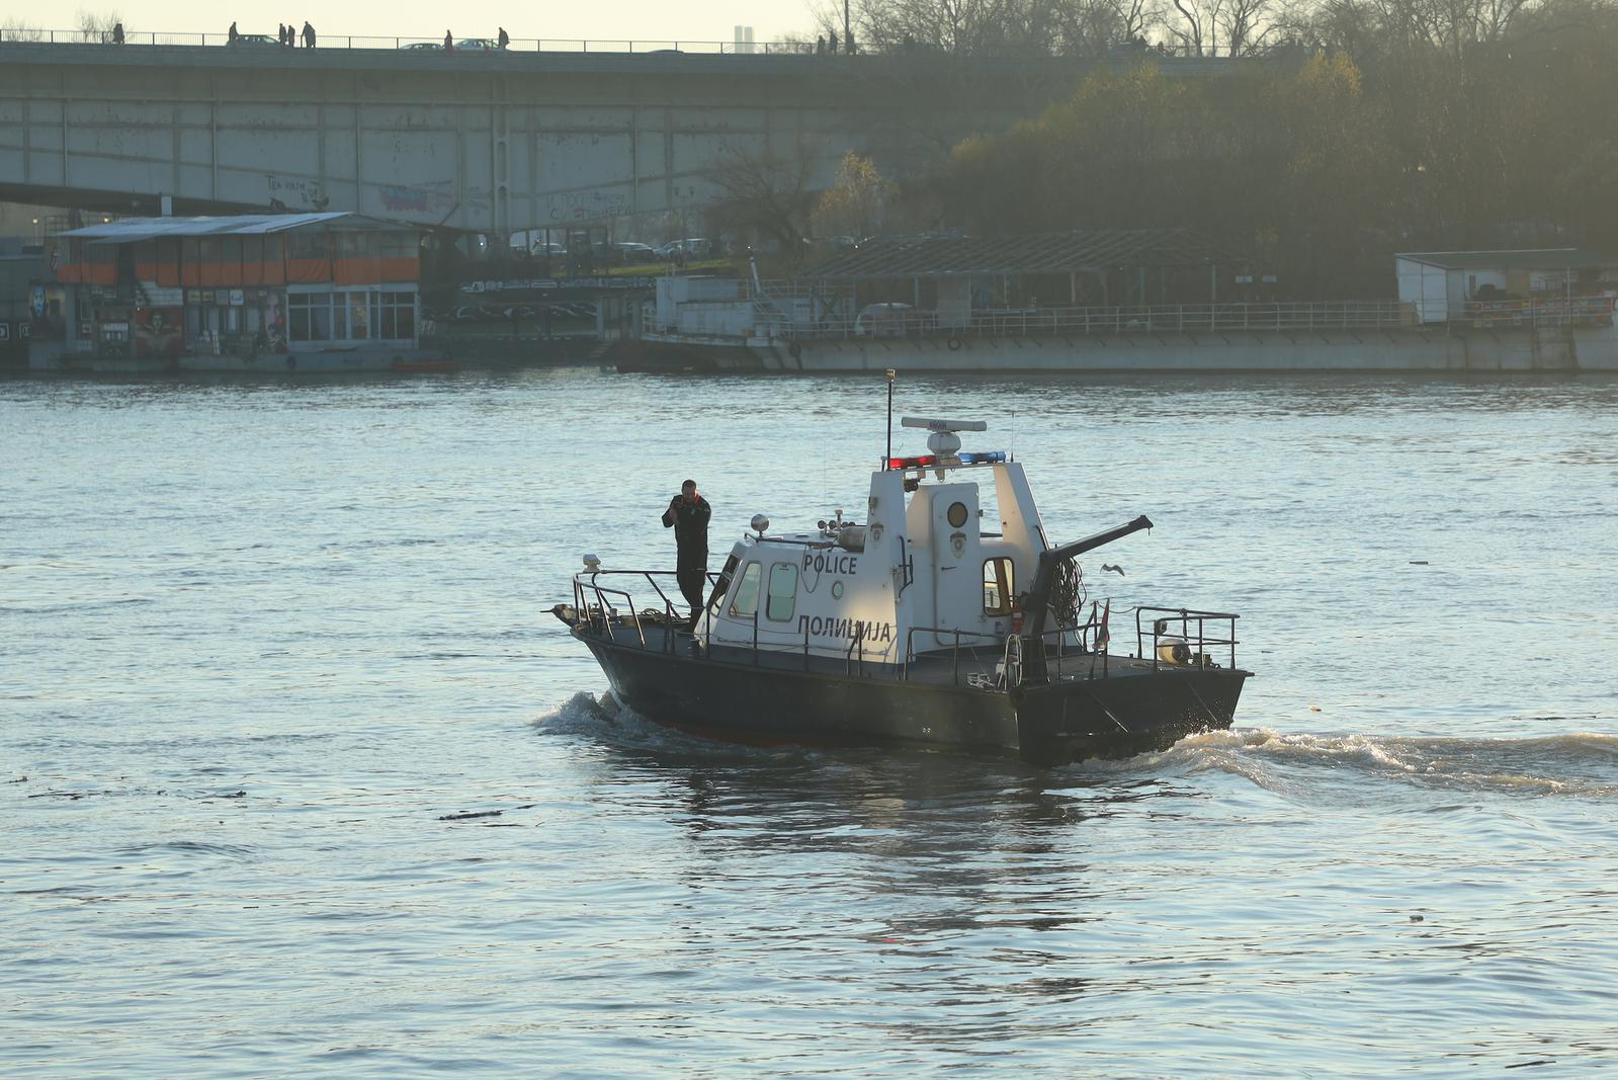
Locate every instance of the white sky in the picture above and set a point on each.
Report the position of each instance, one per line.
(708, 20)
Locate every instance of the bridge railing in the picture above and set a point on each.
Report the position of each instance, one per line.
(472, 45)
(469, 45)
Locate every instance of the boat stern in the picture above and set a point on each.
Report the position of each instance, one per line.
(1131, 712)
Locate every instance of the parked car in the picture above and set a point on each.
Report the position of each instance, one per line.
(254, 41)
(890, 319)
(630, 252)
(690, 248)
(423, 46)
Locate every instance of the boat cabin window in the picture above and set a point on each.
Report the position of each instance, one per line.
(782, 600)
(744, 598)
(999, 585)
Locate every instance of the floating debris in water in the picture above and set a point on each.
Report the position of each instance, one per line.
(468, 815)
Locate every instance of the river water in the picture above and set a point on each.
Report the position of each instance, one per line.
(258, 642)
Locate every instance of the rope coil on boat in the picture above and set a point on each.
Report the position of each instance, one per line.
(1068, 593)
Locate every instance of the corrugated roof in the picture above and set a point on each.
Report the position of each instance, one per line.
(1527, 259)
(133, 230)
(1082, 250)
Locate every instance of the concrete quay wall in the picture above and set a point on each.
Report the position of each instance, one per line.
(1585, 349)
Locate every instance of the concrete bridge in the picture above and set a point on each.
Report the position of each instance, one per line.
(484, 141)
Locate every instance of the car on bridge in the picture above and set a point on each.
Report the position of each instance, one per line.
(471, 44)
(254, 41)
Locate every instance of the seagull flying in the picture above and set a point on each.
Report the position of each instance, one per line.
(1115, 569)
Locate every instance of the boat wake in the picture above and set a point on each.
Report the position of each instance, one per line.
(602, 720)
(1582, 764)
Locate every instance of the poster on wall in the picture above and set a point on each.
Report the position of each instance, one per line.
(157, 332)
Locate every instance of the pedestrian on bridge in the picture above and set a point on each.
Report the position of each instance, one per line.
(308, 35)
(831, 43)
(504, 39)
(449, 41)
(118, 33)
(233, 34)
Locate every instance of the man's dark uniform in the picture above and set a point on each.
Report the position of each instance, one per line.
(689, 517)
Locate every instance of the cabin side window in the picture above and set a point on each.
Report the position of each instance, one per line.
(744, 600)
(782, 600)
(721, 587)
(999, 583)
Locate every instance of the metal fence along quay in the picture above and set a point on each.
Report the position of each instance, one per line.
(1322, 316)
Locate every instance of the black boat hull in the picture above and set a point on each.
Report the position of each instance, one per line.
(1134, 709)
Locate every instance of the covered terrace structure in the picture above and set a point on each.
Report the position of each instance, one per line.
(249, 283)
(953, 282)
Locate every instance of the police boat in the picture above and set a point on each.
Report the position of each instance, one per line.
(912, 626)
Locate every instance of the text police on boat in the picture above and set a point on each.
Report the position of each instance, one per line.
(913, 625)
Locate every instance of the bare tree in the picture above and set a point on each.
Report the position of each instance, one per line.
(1364, 27)
(17, 30)
(1221, 27)
(1092, 27)
(767, 192)
(96, 27)
(970, 27)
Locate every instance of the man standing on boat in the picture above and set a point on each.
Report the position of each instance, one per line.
(688, 515)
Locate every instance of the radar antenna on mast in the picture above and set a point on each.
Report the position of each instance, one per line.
(928, 424)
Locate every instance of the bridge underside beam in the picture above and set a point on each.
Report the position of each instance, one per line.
(494, 144)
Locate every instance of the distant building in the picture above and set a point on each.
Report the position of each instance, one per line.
(310, 291)
(19, 265)
(1496, 286)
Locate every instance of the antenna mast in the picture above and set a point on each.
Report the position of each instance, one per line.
(892, 374)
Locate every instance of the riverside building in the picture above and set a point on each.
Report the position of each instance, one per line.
(328, 291)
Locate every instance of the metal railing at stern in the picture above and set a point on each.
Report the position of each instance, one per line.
(1181, 637)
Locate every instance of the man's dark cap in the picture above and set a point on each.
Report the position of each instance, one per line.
(687, 483)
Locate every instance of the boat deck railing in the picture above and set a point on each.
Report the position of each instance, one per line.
(599, 615)
(1182, 636)
(982, 659)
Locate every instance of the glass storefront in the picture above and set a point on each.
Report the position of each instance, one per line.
(377, 314)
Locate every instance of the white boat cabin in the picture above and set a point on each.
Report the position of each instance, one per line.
(922, 565)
